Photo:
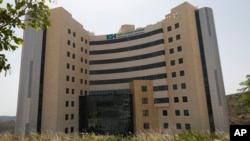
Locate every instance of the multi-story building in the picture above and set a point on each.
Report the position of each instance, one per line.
(165, 77)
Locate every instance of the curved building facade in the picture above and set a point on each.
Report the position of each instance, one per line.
(165, 77)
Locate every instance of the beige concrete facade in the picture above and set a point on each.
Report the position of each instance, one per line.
(145, 114)
(65, 77)
(167, 58)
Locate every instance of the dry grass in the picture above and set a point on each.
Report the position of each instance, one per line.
(188, 136)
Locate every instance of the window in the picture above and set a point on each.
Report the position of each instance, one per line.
(67, 78)
(74, 45)
(69, 31)
(72, 116)
(66, 117)
(161, 100)
(66, 130)
(175, 87)
(180, 60)
(164, 112)
(144, 100)
(182, 73)
(86, 61)
(86, 41)
(177, 25)
(86, 71)
(68, 42)
(165, 125)
(173, 74)
(73, 67)
(169, 28)
(170, 39)
(186, 113)
(73, 56)
(172, 62)
(81, 81)
(86, 82)
(81, 70)
(66, 103)
(73, 79)
(145, 113)
(67, 90)
(184, 99)
(86, 51)
(179, 48)
(74, 34)
(72, 91)
(178, 126)
(183, 85)
(178, 37)
(72, 103)
(177, 112)
(143, 88)
(81, 49)
(72, 129)
(68, 65)
(146, 125)
(187, 126)
(85, 93)
(68, 53)
(81, 59)
(171, 51)
(81, 92)
(82, 39)
(176, 100)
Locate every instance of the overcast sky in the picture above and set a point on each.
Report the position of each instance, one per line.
(232, 21)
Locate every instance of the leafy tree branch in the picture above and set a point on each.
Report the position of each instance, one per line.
(12, 17)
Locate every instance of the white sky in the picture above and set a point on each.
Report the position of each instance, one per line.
(106, 16)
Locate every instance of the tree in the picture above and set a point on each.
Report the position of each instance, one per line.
(12, 17)
(246, 85)
(244, 100)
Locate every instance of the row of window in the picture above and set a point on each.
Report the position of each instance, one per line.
(180, 61)
(129, 48)
(67, 103)
(169, 28)
(171, 50)
(74, 68)
(73, 91)
(181, 73)
(68, 118)
(127, 80)
(66, 130)
(129, 69)
(146, 125)
(73, 80)
(177, 125)
(131, 58)
(125, 91)
(183, 86)
(177, 37)
(177, 112)
(74, 56)
(164, 100)
(145, 113)
(184, 99)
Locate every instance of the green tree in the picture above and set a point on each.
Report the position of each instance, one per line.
(246, 85)
(12, 17)
(244, 100)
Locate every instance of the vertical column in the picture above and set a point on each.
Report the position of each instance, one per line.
(29, 83)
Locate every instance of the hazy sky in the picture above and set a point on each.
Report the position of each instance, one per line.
(232, 21)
